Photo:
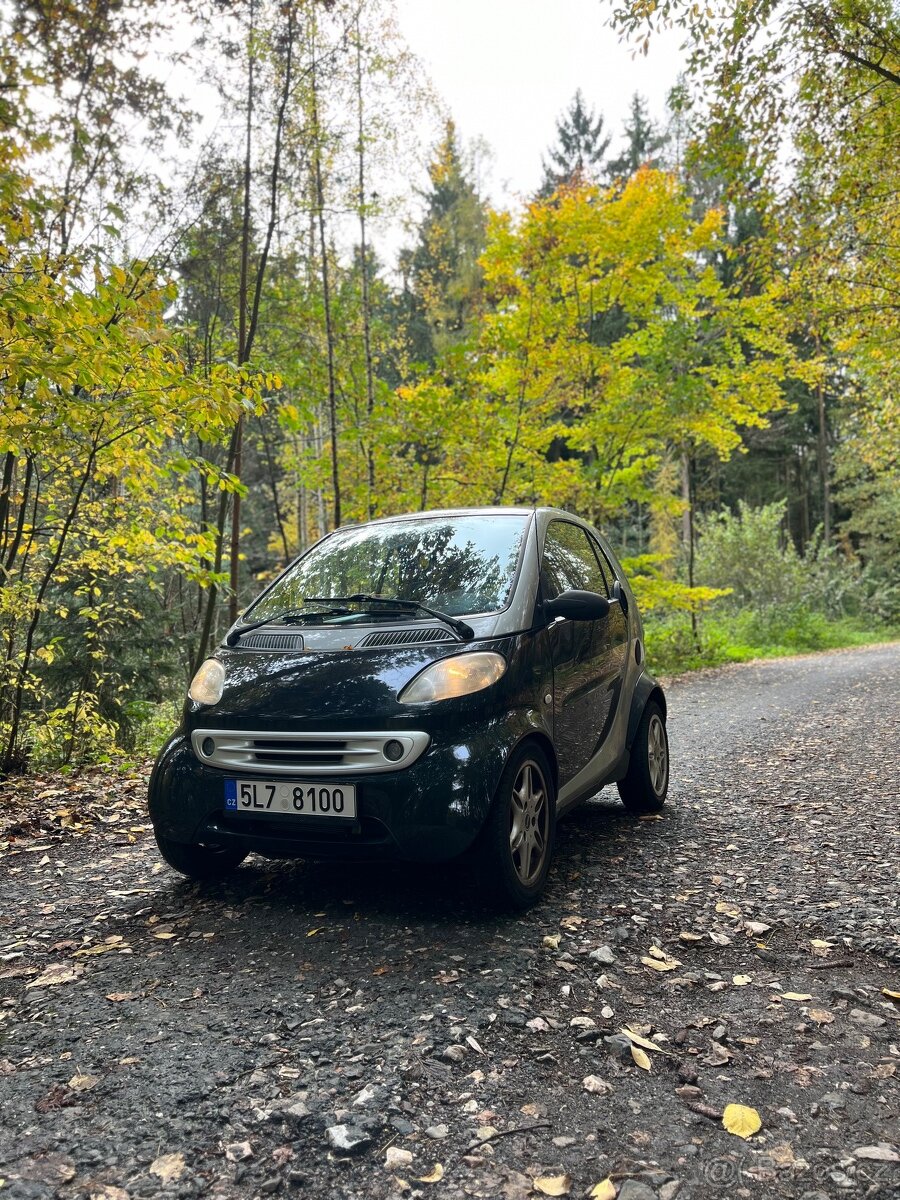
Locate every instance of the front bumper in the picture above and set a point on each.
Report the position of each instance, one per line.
(428, 812)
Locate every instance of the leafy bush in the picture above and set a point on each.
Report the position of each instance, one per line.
(747, 552)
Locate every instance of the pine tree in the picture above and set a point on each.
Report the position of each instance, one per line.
(580, 150)
(442, 273)
(643, 142)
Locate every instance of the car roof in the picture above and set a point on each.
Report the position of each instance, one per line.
(487, 510)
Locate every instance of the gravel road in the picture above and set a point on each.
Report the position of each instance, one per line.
(314, 1031)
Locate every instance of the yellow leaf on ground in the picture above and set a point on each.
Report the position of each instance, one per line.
(163, 934)
(799, 996)
(740, 1120)
(435, 1175)
(553, 1185)
(687, 936)
(604, 1190)
(168, 1167)
(892, 995)
(657, 964)
(642, 1041)
(741, 980)
(551, 940)
(641, 1059)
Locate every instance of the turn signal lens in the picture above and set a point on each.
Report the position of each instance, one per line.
(207, 685)
(457, 676)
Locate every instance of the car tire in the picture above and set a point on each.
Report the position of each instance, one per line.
(198, 861)
(516, 844)
(644, 788)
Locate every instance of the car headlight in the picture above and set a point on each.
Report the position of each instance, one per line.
(207, 685)
(457, 676)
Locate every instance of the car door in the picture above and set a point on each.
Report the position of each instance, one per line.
(616, 639)
(580, 650)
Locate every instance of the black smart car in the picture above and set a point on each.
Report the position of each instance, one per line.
(418, 687)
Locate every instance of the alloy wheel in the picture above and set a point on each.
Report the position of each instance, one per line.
(657, 754)
(529, 822)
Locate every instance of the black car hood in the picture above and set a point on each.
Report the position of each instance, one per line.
(324, 690)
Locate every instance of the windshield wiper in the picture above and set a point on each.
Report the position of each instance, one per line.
(290, 617)
(464, 631)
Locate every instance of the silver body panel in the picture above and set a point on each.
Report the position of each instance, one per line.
(272, 753)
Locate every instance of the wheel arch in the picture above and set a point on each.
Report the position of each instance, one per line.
(645, 690)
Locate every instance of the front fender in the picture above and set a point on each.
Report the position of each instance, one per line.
(645, 689)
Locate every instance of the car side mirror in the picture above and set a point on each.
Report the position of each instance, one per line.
(576, 605)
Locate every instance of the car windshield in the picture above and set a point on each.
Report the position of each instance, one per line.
(459, 565)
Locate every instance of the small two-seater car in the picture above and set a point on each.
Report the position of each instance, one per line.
(419, 687)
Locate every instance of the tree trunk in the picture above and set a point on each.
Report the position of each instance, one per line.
(364, 267)
(326, 293)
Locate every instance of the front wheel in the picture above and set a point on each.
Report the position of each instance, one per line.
(516, 844)
(200, 862)
(644, 788)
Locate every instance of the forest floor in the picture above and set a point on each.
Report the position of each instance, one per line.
(318, 1030)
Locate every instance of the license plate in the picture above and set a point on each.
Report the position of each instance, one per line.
(294, 798)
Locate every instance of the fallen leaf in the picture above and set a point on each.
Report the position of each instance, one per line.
(83, 1083)
(820, 1016)
(163, 934)
(741, 980)
(168, 1167)
(435, 1175)
(890, 995)
(116, 997)
(474, 1044)
(757, 927)
(641, 1059)
(238, 1151)
(686, 936)
(717, 1055)
(730, 910)
(571, 922)
(57, 973)
(604, 1190)
(642, 1041)
(551, 940)
(657, 964)
(553, 1185)
(798, 996)
(821, 948)
(742, 1121)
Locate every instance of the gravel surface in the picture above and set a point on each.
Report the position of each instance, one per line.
(312, 1030)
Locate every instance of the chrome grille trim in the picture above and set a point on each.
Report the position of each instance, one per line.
(407, 637)
(271, 641)
(265, 752)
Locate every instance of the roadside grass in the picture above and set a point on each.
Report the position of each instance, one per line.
(672, 648)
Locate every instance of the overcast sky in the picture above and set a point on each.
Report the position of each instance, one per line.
(507, 68)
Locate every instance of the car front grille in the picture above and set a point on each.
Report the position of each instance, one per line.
(262, 752)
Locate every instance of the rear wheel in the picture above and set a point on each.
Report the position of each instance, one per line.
(516, 844)
(200, 862)
(644, 788)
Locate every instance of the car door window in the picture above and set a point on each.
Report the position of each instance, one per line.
(609, 574)
(569, 561)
